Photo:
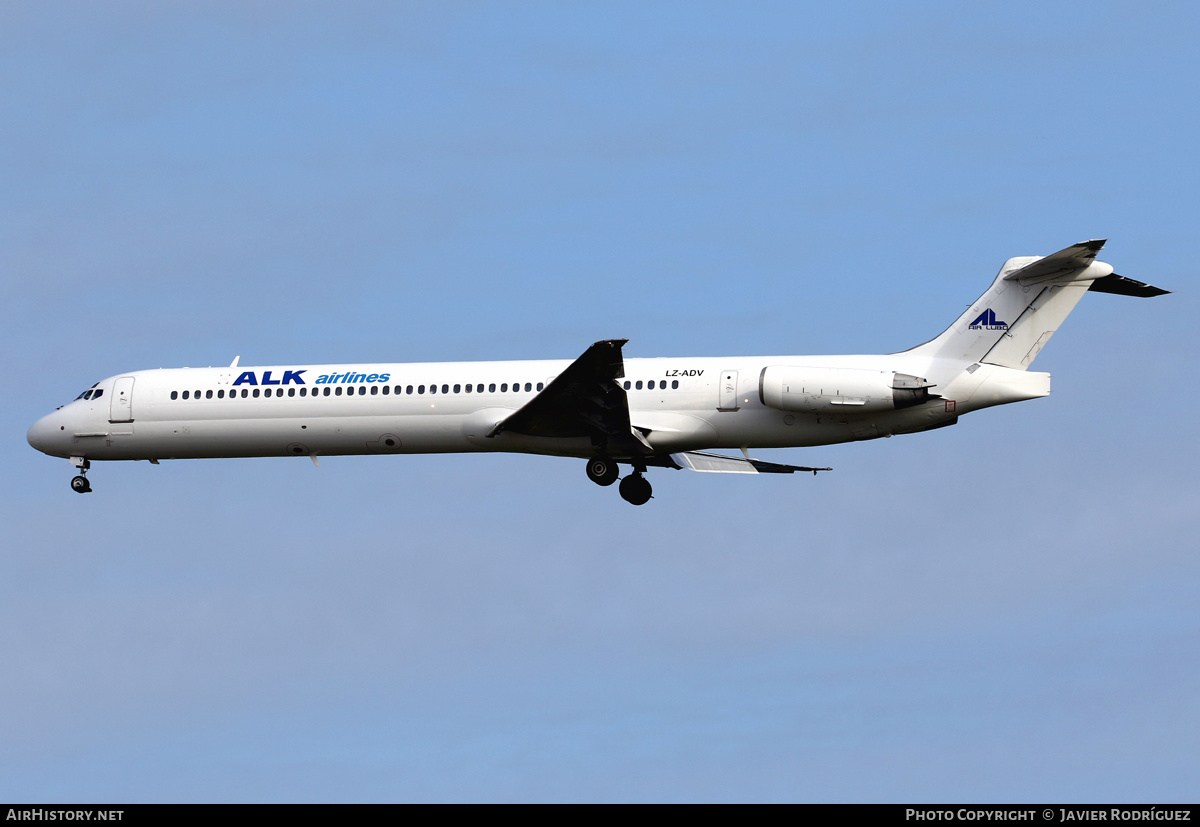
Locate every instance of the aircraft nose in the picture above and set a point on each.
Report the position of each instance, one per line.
(40, 433)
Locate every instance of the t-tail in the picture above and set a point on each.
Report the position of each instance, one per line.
(1010, 324)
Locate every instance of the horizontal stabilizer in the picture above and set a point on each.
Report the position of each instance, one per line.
(721, 464)
(1072, 260)
(1121, 286)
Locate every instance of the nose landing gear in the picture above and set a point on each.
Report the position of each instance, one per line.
(79, 483)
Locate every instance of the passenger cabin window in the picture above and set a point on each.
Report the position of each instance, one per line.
(445, 389)
(457, 388)
(638, 384)
(174, 394)
(256, 393)
(375, 390)
(528, 387)
(208, 394)
(186, 395)
(628, 384)
(337, 391)
(674, 384)
(492, 388)
(504, 388)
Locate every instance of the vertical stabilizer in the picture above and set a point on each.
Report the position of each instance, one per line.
(1030, 297)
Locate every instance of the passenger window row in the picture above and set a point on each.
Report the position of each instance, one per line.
(662, 384)
(347, 390)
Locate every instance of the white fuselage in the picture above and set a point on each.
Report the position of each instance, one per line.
(602, 406)
(693, 404)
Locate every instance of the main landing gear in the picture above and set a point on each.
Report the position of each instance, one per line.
(79, 483)
(602, 470)
(634, 489)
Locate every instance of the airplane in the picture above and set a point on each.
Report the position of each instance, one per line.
(602, 407)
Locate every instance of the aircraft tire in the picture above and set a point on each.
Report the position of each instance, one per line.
(602, 470)
(80, 485)
(635, 489)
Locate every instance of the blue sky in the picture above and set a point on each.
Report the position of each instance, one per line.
(1001, 611)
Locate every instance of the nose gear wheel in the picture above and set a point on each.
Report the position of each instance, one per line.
(79, 483)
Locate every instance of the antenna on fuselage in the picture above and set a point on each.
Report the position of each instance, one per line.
(233, 364)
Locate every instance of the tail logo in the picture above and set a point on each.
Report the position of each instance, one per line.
(987, 321)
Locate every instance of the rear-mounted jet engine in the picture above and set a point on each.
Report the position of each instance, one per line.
(822, 390)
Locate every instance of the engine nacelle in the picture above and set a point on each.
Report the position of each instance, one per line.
(844, 390)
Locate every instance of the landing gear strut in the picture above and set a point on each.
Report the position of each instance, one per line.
(602, 470)
(636, 489)
(79, 483)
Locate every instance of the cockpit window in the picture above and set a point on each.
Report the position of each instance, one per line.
(91, 393)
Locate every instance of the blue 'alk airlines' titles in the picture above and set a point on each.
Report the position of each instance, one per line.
(643, 413)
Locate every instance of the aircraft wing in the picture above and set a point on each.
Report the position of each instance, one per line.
(584, 400)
